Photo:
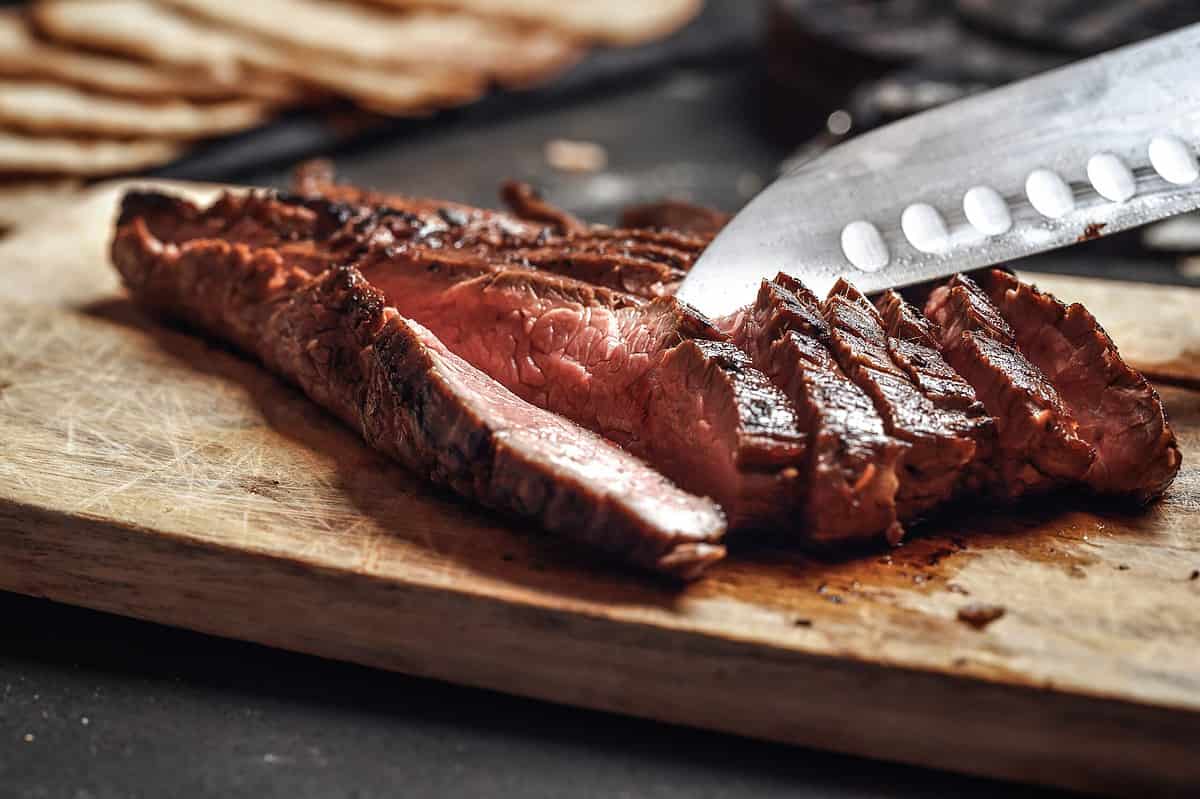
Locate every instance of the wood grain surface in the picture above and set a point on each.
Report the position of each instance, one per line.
(147, 473)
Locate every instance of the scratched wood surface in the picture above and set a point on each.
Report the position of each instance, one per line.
(147, 473)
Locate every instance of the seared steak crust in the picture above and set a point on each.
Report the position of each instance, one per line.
(646, 263)
(851, 470)
(1038, 445)
(644, 374)
(526, 203)
(1119, 413)
(469, 344)
(941, 443)
(605, 359)
(641, 261)
(913, 345)
(336, 336)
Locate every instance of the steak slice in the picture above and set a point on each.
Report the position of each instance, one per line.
(1038, 445)
(941, 443)
(647, 262)
(913, 345)
(653, 376)
(1119, 413)
(334, 335)
(327, 228)
(537, 218)
(852, 464)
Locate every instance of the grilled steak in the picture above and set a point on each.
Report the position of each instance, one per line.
(913, 345)
(1038, 445)
(941, 444)
(647, 263)
(640, 261)
(537, 219)
(487, 350)
(334, 335)
(1119, 413)
(611, 361)
(652, 376)
(851, 470)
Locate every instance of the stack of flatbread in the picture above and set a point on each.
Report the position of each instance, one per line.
(99, 87)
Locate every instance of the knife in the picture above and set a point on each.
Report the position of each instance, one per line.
(1099, 146)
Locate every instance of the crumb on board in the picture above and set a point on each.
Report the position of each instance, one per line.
(1195, 575)
(1092, 231)
(979, 614)
(566, 155)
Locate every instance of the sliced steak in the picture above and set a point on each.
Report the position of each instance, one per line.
(335, 336)
(646, 262)
(913, 345)
(637, 263)
(1119, 413)
(852, 465)
(941, 443)
(652, 376)
(538, 219)
(1038, 445)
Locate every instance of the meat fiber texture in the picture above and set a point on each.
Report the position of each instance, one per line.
(1118, 412)
(824, 422)
(1038, 443)
(334, 335)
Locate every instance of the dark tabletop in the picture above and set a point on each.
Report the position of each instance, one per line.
(93, 705)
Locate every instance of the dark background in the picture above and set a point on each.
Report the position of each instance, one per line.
(97, 706)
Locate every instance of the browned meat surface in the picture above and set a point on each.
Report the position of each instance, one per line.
(608, 360)
(525, 202)
(534, 216)
(320, 226)
(941, 444)
(642, 261)
(336, 336)
(481, 347)
(652, 376)
(1119, 413)
(851, 471)
(647, 274)
(1038, 445)
(675, 215)
(913, 344)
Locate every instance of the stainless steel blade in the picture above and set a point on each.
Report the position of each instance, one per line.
(1099, 146)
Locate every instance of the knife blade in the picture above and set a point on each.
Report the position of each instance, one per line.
(1090, 149)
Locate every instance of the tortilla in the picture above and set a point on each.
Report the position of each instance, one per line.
(619, 22)
(514, 55)
(49, 108)
(23, 55)
(85, 157)
(143, 29)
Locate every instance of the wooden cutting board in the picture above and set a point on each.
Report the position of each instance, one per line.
(146, 473)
